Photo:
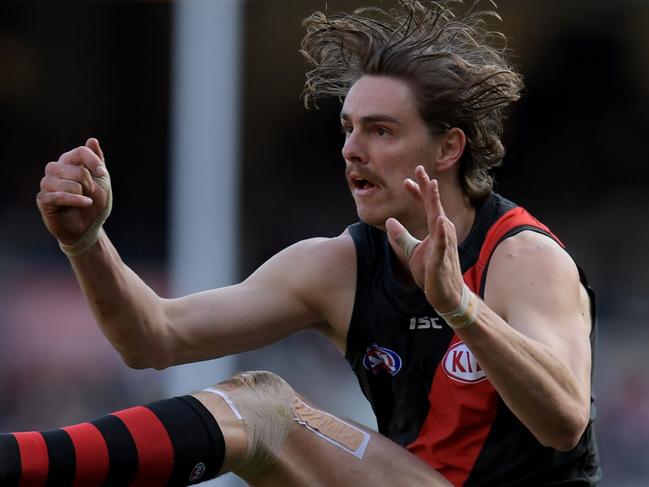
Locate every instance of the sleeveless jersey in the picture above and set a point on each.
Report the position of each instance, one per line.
(427, 390)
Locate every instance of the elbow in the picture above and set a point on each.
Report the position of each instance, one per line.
(152, 349)
(136, 362)
(140, 362)
(146, 358)
(567, 433)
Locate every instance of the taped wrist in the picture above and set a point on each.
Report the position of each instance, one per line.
(167, 443)
(466, 312)
(91, 235)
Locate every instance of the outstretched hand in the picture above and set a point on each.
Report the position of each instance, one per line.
(433, 261)
(73, 193)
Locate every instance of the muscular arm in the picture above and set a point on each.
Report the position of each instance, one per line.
(531, 338)
(292, 291)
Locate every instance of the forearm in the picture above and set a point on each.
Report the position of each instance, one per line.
(128, 311)
(535, 384)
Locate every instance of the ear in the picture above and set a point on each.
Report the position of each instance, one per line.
(451, 148)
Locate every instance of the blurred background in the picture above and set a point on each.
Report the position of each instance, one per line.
(577, 158)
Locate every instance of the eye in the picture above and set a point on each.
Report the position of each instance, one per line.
(381, 131)
(346, 129)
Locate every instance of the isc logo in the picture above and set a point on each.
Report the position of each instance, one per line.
(460, 365)
(425, 323)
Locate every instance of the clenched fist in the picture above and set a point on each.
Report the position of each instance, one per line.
(75, 197)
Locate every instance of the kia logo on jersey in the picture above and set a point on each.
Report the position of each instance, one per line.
(378, 358)
(461, 365)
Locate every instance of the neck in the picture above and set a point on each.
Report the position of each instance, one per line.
(458, 209)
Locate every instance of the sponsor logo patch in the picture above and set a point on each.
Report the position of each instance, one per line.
(378, 358)
(197, 472)
(461, 365)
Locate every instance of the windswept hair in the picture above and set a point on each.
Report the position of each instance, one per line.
(454, 65)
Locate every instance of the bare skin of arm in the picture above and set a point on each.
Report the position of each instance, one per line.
(531, 336)
(294, 290)
(277, 300)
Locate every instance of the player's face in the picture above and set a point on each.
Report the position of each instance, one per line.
(385, 139)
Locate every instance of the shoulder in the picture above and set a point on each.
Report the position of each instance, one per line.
(527, 245)
(312, 265)
(321, 255)
(323, 248)
(321, 273)
(530, 249)
(530, 267)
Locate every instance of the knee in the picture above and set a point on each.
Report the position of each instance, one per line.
(261, 392)
(257, 382)
(263, 401)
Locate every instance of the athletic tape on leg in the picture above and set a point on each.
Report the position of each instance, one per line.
(331, 428)
(262, 401)
(268, 406)
(227, 400)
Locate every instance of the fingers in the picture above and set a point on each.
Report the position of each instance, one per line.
(87, 157)
(426, 191)
(431, 198)
(52, 185)
(58, 199)
(442, 234)
(93, 145)
(400, 238)
(413, 189)
(67, 177)
(72, 180)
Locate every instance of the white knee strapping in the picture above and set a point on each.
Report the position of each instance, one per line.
(263, 401)
(268, 406)
(331, 428)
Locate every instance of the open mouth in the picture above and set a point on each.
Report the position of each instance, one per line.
(362, 184)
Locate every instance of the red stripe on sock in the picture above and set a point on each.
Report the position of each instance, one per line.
(91, 453)
(33, 459)
(155, 451)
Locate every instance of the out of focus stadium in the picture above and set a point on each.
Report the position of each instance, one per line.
(197, 107)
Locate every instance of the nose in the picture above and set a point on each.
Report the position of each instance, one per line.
(353, 149)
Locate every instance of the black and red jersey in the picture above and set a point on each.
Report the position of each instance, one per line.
(427, 391)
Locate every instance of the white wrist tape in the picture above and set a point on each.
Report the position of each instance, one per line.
(90, 237)
(466, 312)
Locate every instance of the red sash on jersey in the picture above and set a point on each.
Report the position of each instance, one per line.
(463, 404)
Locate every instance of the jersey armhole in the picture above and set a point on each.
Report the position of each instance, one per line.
(509, 224)
(362, 239)
(511, 233)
